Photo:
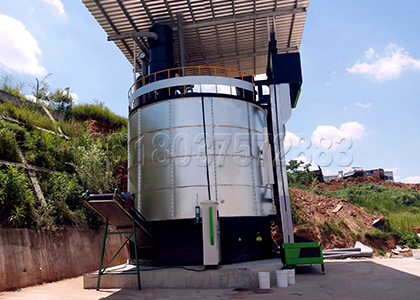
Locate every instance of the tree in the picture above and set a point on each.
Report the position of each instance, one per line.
(298, 173)
(62, 101)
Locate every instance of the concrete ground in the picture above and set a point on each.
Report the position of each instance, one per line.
(344, 279)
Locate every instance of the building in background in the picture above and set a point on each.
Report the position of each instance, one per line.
(378, 173)
(389, 176)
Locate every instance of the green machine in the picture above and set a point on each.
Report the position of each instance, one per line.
(302, 252)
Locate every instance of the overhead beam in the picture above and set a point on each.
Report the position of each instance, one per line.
(241, 18)
(140, 42)
(117, 32)
(134, 34)
(235, 57)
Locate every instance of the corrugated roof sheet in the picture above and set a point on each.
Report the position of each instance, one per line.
(232, 34)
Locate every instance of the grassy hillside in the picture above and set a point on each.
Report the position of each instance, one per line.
(85, 160)
(398, 203)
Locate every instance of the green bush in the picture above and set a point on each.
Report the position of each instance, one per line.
(343, 224)
(27, 115)
(401, 207)
(411, 239)
(298, 176)
(17, 205)
(48, 150)
(10, 86)
(62, 102)
(98, 112)
(63, 194)
(355, 236)
(296, 214)
(8, 142)
(94, 169)
(330, 228)
(117, 145)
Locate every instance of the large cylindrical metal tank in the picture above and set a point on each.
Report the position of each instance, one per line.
(168, 170)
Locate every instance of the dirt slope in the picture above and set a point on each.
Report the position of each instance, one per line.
(339, 184)
(315, 210)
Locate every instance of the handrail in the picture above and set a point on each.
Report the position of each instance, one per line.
(192, 70)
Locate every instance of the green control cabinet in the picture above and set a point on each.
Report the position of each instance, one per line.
(302, 254)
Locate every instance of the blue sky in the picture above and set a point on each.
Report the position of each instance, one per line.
(360, 61)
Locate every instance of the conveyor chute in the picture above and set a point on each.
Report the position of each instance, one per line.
(118, 208)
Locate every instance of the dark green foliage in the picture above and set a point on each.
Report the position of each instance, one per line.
(65, 207)
(62, 102)
(296, 214)
(9, 132)
(409, 238)
(330, 228)
(27, 115)
(354, 235)
(343, 224)
(117, 145)
(47, 150)
(94, 169)
(298, 174)
(17, 206)
(88, 163)
(63, 196)
(400, 206)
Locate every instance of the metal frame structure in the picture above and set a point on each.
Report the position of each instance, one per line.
(132, 234)
(232, 34)
(254, 36)
(125, 223)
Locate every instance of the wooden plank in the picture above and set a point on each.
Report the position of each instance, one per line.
(338, 208)
(34, 180)
(36, 127)
(54, 121)
(27, 166)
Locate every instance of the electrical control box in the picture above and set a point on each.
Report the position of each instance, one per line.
(211, 233)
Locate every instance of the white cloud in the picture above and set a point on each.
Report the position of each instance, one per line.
(389, 67)
(57, 5)
(328, 172)
(409, 179)
(19, 50)
(31, 98)
(330, 137)
(367, 105)
(313, 166)
(75, 97)
(291, 140)
(370, 53)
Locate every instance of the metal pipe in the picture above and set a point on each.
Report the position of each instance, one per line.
(134, 62)
(134, 34)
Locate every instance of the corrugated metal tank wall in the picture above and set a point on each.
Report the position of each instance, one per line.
(166, 177)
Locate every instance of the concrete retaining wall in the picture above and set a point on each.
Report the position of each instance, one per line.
(29, 257)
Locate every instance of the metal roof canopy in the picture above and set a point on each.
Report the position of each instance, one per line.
(222, 33)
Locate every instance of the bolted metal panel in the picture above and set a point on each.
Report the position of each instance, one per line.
(172, 160)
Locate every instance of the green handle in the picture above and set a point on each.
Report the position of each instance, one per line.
(211, 226)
